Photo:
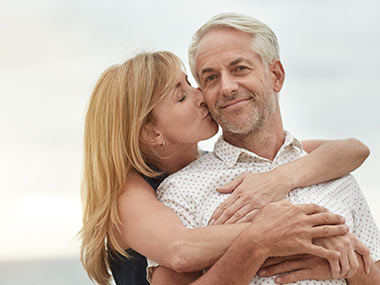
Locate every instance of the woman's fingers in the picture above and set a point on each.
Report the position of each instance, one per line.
(231, 186)
(364, 252)
(329, 254)
(354, 264)
(245, 213)
(221, 210)
(226, 210)
(248, 218)
(334, 268)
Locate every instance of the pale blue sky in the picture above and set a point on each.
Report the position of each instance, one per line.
(52, 53)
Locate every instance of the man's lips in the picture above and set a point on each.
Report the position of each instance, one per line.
(234, 102)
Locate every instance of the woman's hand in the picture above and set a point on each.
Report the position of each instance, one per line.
(348, 263)
(250, 192)
(327, 160)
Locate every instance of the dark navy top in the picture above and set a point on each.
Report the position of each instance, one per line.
(132, 271)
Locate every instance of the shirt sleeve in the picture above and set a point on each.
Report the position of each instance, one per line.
(365, 227)
(171, 194)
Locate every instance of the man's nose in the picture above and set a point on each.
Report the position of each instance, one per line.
(228, 84)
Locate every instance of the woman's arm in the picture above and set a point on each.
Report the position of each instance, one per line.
(155, 231)
(327, 160)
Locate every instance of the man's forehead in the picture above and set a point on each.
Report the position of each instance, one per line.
(228, 42)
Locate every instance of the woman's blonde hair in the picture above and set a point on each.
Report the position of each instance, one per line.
(120, 105)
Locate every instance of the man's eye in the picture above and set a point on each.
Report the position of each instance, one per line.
(239, 68)
(211, 78)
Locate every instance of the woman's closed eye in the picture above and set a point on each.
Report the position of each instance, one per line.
(183, 97)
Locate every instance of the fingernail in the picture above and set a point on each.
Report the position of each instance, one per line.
(278, 279)
(342, 219)
(212, 222)
(369, 270)
(347, 228)
(262, 272)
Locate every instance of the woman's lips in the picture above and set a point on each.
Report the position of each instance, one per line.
(207, 116)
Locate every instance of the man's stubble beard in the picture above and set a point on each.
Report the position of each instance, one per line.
(253, 122)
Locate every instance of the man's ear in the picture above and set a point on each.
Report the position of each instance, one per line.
(150, 135)
(278, 75)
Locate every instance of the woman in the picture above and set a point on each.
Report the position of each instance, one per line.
(144, 119)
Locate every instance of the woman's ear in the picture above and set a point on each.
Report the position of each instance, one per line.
(150, 135)
(278, 75)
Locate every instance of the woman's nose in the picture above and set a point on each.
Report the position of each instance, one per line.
(199, 98)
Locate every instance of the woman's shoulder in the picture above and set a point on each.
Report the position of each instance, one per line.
(136, 182)
(154, 182)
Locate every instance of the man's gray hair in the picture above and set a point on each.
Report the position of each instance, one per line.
(264, 43)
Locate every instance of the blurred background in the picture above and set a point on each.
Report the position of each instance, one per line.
(52, 53)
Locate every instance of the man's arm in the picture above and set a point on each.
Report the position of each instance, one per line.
(237, 266)
(278, 229)
(301, 267)
(297, 268)
(362, 278)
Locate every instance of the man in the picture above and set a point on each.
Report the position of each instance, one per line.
(235, 60)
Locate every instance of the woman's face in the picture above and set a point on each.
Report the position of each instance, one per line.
(182, 116)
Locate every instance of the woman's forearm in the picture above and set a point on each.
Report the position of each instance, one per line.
(327, 160)
(155, 231)
(199, 248)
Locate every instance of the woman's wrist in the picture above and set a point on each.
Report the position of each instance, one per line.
(286, 177)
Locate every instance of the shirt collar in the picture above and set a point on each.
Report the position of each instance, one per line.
(230, 154)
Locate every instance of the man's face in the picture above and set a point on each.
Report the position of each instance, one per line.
(237, 84)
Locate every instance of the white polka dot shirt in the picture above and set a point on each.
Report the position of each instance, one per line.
(191, 193)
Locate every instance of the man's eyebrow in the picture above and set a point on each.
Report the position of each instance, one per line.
(236, 61)
(206, 70)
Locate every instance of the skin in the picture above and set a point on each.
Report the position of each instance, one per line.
(174, 112)
(278, 229)
(300, 267)
(228, 71)
(252, 191)
(143, 215)
(187, 250)
(241, 93)
(171, 133)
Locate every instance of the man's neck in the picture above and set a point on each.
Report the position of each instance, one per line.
(265, 142)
